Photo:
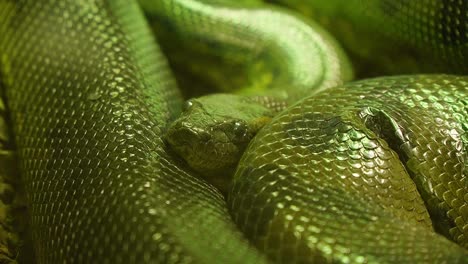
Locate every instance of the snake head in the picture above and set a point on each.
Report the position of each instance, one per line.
(213, 131)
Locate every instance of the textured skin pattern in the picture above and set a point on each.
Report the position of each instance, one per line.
(329, 178)
(12, 210)
(283, 56)
(395, 36)
(212, 133)
(270, 48)
(89, 94)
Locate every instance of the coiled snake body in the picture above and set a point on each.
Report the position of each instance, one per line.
(352, 174)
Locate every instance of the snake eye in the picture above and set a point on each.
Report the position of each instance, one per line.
(187, 105)
(239, 129)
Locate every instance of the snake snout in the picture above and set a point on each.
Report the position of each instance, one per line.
(188, 142)
(182, 136)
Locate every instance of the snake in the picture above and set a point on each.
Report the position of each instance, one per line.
(395, 37)
(369, 171)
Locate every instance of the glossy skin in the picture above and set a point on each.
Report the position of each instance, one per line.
(282, 56)
(219, 127)
(388, 37)
(89, 118)
(89, 94)
(356, 168)
(248, 46)
(447, 220)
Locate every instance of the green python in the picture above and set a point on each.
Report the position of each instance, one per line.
(360, 173)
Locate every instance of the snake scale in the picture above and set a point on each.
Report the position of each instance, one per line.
(362, 172)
